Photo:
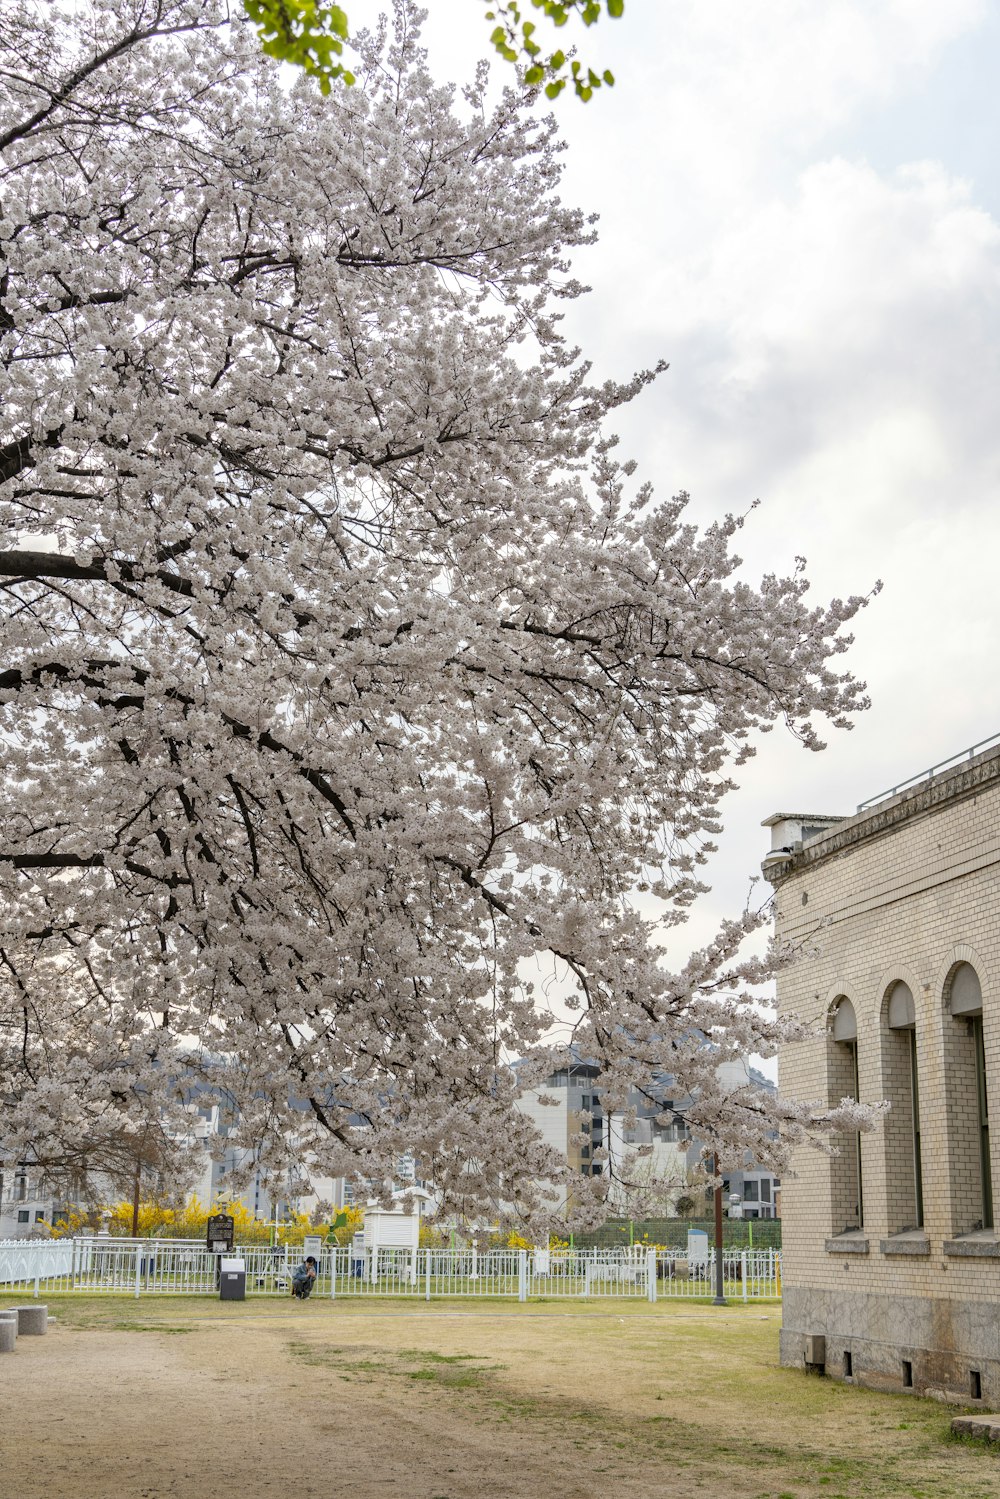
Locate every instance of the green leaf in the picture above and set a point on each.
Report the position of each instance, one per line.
(303, 33)
(312, 35)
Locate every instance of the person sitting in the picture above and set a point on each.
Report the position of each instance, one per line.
(304, 1278)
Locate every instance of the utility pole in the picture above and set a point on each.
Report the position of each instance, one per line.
(135, 1198)
(719, 1298)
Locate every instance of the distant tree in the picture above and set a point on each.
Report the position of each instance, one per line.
(133, 1153)
(345, 674)
(313, 36)
(640, 1188)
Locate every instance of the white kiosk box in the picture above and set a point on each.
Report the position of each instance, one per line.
(392, 1235)
(697, 1255)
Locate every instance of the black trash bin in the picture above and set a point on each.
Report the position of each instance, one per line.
(233, 1280)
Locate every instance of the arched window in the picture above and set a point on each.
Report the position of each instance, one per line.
(904, 1179)
(968, 1101)
(847, 1202)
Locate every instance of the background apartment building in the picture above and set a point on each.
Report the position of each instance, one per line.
(670, 1151)
(26, 1206)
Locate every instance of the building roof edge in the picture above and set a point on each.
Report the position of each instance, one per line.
(949, 786)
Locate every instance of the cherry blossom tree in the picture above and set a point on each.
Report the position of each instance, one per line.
(346, 677)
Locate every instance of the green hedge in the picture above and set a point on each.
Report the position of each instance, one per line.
(673, 1232)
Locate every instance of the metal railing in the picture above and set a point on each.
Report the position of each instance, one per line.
(929, 774)
(160, 1267)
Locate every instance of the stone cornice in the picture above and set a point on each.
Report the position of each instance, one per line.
(950, 786)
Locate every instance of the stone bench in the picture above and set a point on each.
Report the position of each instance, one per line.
(32, 1320)
(8, 1330)
(987, 1428)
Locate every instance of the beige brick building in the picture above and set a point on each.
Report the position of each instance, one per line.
(891, 1251)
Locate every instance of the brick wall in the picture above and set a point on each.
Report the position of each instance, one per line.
(901, 895)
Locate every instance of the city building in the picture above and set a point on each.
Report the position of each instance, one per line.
(891, 1256)
(26, 1206)
(667, 1149)
(223, 1174)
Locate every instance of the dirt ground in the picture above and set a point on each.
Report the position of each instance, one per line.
(204, 1400)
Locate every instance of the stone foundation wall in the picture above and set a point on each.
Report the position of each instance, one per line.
(944, 1342)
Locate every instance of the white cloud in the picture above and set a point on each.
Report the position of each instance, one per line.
(768, 67)
(839, 354)
(845, 339)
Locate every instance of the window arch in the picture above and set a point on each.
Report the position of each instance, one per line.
(967, 1102)
(901, 1132)
(847, 1197)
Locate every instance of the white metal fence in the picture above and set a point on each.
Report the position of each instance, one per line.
(185, 1267)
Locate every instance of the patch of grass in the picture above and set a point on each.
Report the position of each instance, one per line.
(148, 1327)
(452, 1371)
(341, 1360)
(518, 1409)
(428, 1357)
(450, 1379)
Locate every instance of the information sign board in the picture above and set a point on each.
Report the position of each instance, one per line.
(219, 1232)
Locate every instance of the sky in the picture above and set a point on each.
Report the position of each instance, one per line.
(800, 210)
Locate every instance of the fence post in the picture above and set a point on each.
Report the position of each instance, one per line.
(138, 1264)
(427, 1275)
(651, 1275)
(333, 1271)
(36, 1277)
(522, 1275)
(743, 1274)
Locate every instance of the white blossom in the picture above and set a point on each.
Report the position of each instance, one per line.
(344, 669)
